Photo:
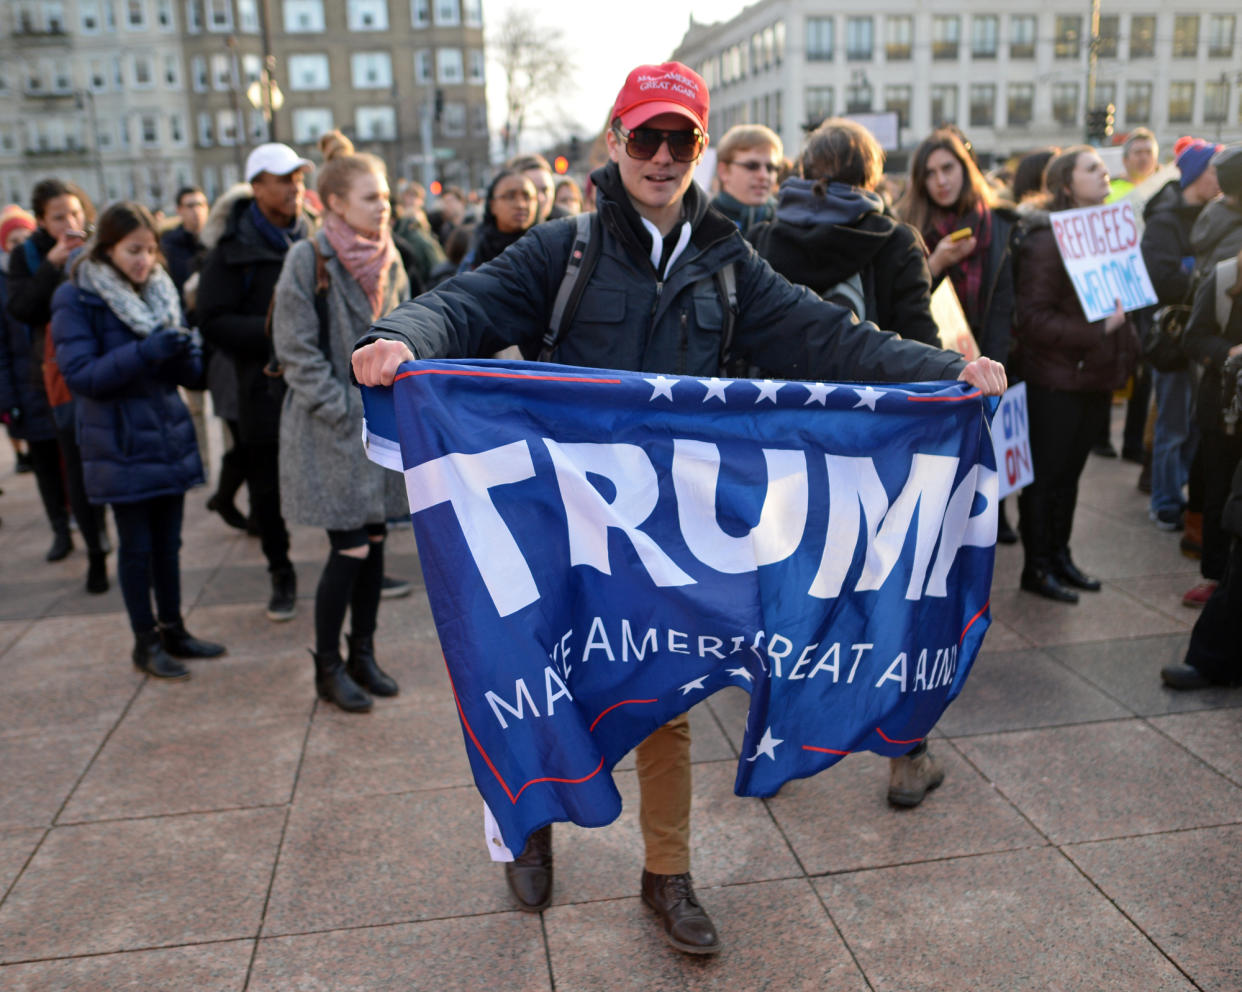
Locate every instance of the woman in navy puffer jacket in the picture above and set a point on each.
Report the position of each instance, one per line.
(116, 324)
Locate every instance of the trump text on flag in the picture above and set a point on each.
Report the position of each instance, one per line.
(1100, 249)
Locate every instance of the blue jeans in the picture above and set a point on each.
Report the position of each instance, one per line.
(1175, 438)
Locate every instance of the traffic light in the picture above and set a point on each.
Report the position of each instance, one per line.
(575, 148)
(1100, 123)
(561, 165)
(439, 104)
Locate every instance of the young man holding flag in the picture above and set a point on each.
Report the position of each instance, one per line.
(653, 301)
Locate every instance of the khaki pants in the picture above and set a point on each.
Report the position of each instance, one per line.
(664, 797)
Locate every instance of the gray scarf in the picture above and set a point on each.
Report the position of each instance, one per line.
(156, 306)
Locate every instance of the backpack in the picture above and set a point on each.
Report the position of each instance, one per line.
(584, 256)
(849, 293)
(272, 368)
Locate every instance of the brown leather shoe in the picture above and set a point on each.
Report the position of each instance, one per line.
(686, 924)
(530, 874)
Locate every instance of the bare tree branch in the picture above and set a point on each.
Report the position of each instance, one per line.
(536, 65)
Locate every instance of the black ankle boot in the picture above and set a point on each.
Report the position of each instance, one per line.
(229, 513)
(1042, 582)
(97, 573)
(334, 684)
(150, 657)
(62, 544)
(1063, 568)
(364, 670)
(180, 643)
(530, 874)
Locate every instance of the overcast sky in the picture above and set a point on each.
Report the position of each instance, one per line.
(608, 40)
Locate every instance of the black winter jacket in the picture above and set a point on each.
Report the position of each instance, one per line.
(630, 320)
(234, 291)
(183, 253)
(1166, 248)
(820, 241)
(21, 377)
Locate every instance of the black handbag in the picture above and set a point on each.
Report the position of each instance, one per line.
(1162, 344)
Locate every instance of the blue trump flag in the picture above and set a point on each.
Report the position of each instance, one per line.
(605, 549)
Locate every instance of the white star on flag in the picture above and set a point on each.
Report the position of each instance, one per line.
(819, 393)
(866, 397)
(715, 388)
(767, 390)
(661, 386)
(767, 745)
(690, 686)
(742, 674)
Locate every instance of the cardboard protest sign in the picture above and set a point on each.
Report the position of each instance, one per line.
(950, 318)
(1100, 249)
(1011, 441)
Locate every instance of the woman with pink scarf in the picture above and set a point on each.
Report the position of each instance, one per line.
(332, 288)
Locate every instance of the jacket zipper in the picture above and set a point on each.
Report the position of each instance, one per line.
(684, 346)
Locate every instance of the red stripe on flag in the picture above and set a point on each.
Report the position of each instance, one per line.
(614, 706)
(823, 750)
(945, 399)
(505, 375)
(973, 619)
(891, 741)
(567, 781)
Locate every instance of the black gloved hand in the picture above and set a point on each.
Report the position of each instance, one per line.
(162, 345)
(12, 417)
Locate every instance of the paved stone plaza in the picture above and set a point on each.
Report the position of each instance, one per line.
(230, 833)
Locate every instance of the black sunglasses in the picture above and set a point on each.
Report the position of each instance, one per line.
(753, 166)
(643, 142)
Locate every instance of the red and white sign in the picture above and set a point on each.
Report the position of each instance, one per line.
(1012, 442)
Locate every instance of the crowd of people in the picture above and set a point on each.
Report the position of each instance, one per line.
(114, 330)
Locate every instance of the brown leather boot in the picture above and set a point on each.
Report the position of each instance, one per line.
(686, 923)
(530, 874)
(1192, 535)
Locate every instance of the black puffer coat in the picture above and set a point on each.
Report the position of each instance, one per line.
(1166, 247)
(631, 320)
(234, 291)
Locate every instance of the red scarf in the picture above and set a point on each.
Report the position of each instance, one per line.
(366, 259)
(967, 275)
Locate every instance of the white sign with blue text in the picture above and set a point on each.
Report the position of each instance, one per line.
(1100, 249)
(1011, 441)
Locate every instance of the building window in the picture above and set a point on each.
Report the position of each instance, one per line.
(88, 15)
(309, 72)
(221, 73)
(176, 129)
(984, 36)
(1105, 95)
(1068, 36)
(226, 127)
(149, 128)
(198, 73)
(946, 37)
(1022, 37)
(943, 105)
(97, 73)
(1185, 36)
(897, 101)
(1110, 34)
(453, 120)
(1065, 103)
(819, 39)
(898, 38)
(422, 66)
(1021, 108)
(371, 70)
(448, 13)
(448, 65)
(368, 15)
(252, 69)
(478, 118)
(118, 72)
(194, 16)
(1142, 37)
(1181, 102)
(204, 129)
(310, 123)
(220, 18)
(143, 76)
(819, 104)
(420, 13)
(982, 104)
(62, 80)
(248, 16)
(478, 66)
(136, 15)
(472, 11)
(303, 16)
(1220, 36)
(375, 123)
(1216, 101)
(859, 38)
(858, 96)
(1138, 102)
(258, 127)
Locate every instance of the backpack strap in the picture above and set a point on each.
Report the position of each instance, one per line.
(726, 285)
(1226, 277)
(583, 256)
(323, 282)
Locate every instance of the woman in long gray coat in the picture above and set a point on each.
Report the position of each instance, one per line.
(325, 478)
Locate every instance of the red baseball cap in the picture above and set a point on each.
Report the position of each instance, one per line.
(670, 88)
